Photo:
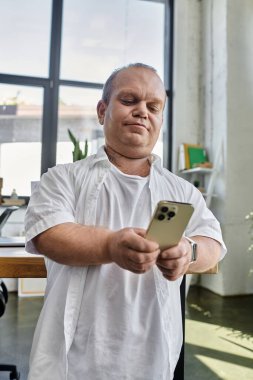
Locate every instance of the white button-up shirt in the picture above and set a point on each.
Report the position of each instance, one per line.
(71, 193)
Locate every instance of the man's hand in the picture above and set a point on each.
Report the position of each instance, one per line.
(130, 250)
(174, 262)
(78, 245)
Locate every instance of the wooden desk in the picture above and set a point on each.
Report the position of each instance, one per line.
(16, 263)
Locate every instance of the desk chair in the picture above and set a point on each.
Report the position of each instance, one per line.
(14, 374)
(5, 215)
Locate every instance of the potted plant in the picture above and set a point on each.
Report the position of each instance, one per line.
(249, 219)
(78, 153)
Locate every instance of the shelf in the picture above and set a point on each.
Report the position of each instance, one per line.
(199, 174)
(197, 170)
(205, 194)
(205, 174)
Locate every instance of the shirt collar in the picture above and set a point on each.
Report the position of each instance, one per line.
(156, 163)
(101, 156)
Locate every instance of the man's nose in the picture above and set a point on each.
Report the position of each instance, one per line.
(140, 110)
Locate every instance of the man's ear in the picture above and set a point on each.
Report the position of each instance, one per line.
(101, 108)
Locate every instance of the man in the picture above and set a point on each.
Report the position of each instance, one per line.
(112, 305)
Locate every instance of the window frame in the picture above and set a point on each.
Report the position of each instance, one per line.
(52, 83)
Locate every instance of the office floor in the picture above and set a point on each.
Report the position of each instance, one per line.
(219, 335)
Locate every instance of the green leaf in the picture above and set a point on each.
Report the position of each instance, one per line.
(85, 148)
(72, 137)
(77, 153)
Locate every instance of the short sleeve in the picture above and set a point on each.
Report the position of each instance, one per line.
(203, 222)
(52, 203)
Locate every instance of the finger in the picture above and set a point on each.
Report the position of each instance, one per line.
(172, 268)
(172, 277)
(168, 266)
(170, 262)
(140, 269)
(143, 258)
(172, 274)
(137, 266)
(175, 252)
(138, 243)
(140, 231)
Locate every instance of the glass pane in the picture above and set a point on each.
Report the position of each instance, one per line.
(25, 37)
(77, 112)
(99, 36)
(20, 137)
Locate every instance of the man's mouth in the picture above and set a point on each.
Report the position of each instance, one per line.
(138, 125)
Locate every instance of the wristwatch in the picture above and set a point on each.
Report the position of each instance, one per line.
(194, 249)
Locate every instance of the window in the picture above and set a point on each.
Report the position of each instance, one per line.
(91, 50)
(25, 37)
(20, 131)
(99, 36)
(54, 59)
(77, 112)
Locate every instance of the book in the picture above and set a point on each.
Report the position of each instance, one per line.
(181, 158)
(190, 156)
(197, 156)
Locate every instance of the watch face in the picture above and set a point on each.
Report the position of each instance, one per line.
(194, 249)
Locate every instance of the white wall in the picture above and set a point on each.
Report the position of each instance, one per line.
(239, 142)
(213, 110)
(186, 74)
(215, 58)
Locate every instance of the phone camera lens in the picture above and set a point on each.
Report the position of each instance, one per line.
(160, 217)
(171, 214)
(164, 209)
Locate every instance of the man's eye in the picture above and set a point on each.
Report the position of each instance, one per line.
(154, 108)
(127, 101)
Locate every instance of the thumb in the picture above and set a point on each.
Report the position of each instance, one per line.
(140, 231)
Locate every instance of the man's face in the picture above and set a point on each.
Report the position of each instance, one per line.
(133, 118)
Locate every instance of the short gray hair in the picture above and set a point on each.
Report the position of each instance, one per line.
(108, 86)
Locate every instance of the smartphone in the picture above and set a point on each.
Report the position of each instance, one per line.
(169, 222)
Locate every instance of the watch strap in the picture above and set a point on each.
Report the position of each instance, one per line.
(194, 249)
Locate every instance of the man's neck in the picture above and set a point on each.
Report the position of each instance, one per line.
(128, 165)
